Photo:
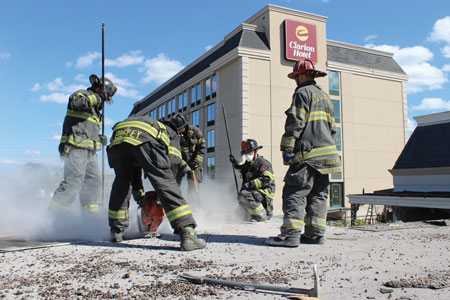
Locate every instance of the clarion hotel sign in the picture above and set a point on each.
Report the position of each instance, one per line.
(300, 41)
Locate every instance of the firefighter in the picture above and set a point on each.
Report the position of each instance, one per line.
(145, 142)
(309, 148)
(258, 182)
(79, 142)
(193, 151)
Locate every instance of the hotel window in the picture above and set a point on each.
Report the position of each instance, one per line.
(162, 112)
(333, 78)
(337, 110)
(180, 103)
(185, 100)
(211, 115)
(211, 166)
(196, 118)
(213, 86)
(210, 143)
(153, 114)
(337, 139)
(198, 93)
(337, 194)
(171, 108)
(192, 97)
(207, 89)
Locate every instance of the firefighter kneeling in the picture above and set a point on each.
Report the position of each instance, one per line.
(144, 142)
(258, 182)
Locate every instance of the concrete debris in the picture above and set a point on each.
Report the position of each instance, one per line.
(439, 280)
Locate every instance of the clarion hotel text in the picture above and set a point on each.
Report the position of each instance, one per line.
(301, 50)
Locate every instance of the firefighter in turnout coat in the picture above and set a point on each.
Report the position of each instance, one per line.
(258, 182)
(309, 148)
(80, 140)
(142, 142)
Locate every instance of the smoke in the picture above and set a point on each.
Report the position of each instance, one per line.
(25, 197)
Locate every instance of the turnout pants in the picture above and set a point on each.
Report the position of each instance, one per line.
(81, 180)
(255, 204)
(154, 161)
(305, 196)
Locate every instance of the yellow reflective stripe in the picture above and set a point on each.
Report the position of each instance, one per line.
(118, 214)
(330, 170)
(316, 152)
(199, 158)
(174, 151)
(293, 223)
(315, 221)
(83, 115)
(126, 139)
(269, 174)
(184, 149)
(56, 206)
(320, 115)
(257, 182)
(95, 208)
(157, 134)
(257, 210)
(287, 142)
(89, 144)
(267, 193)
(297, 111)
(93, 100)
(178, 212)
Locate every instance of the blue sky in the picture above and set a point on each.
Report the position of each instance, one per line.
(48, 49)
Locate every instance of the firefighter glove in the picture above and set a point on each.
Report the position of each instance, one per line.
(194, 165)
(103, 139)
(233, 159)
(246, 186)
(288, 158)
(139, 196)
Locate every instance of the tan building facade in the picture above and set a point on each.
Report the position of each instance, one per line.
(246, 74)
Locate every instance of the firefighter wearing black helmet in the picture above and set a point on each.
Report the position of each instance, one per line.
(258, 182)
(309, 148)
(80, 140)
(144, 143)
(193, 151)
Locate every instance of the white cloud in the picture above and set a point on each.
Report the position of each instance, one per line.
(414, 61)
(441, 31)
(160, 69)
(446, 68)
(209, 47)
(31, 152)
(133, 58)
(370, 37)
(123, 87)
(87, 60)
(109, 122)
(82, 78)
(55, 97)
(4, 55)
(432, 104)
(56, 137)
(57, 85)
(446, 51)
(69, 64)
(36, 87)
(118, 81)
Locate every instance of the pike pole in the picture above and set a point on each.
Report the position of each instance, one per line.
(103, 112)
(229, 146)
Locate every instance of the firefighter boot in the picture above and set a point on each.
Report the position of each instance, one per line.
(116, 236)
(283, 240)
(319, 240)
(189, 240)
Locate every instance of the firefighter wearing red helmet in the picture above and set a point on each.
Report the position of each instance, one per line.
(309, 148)
(258, 182)
(80, 140)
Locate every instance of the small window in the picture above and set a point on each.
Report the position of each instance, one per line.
(198, 94)
(211, 115)
(207, 89)
(185, 100)
(211, 142)
(196, 118)
(193, 97)
(333, 78)
(338, 139)
(162, 112)
(213, 86)
(153, 114)
(337, 111)
(211, 166)
(180, 103)
(336, 194)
